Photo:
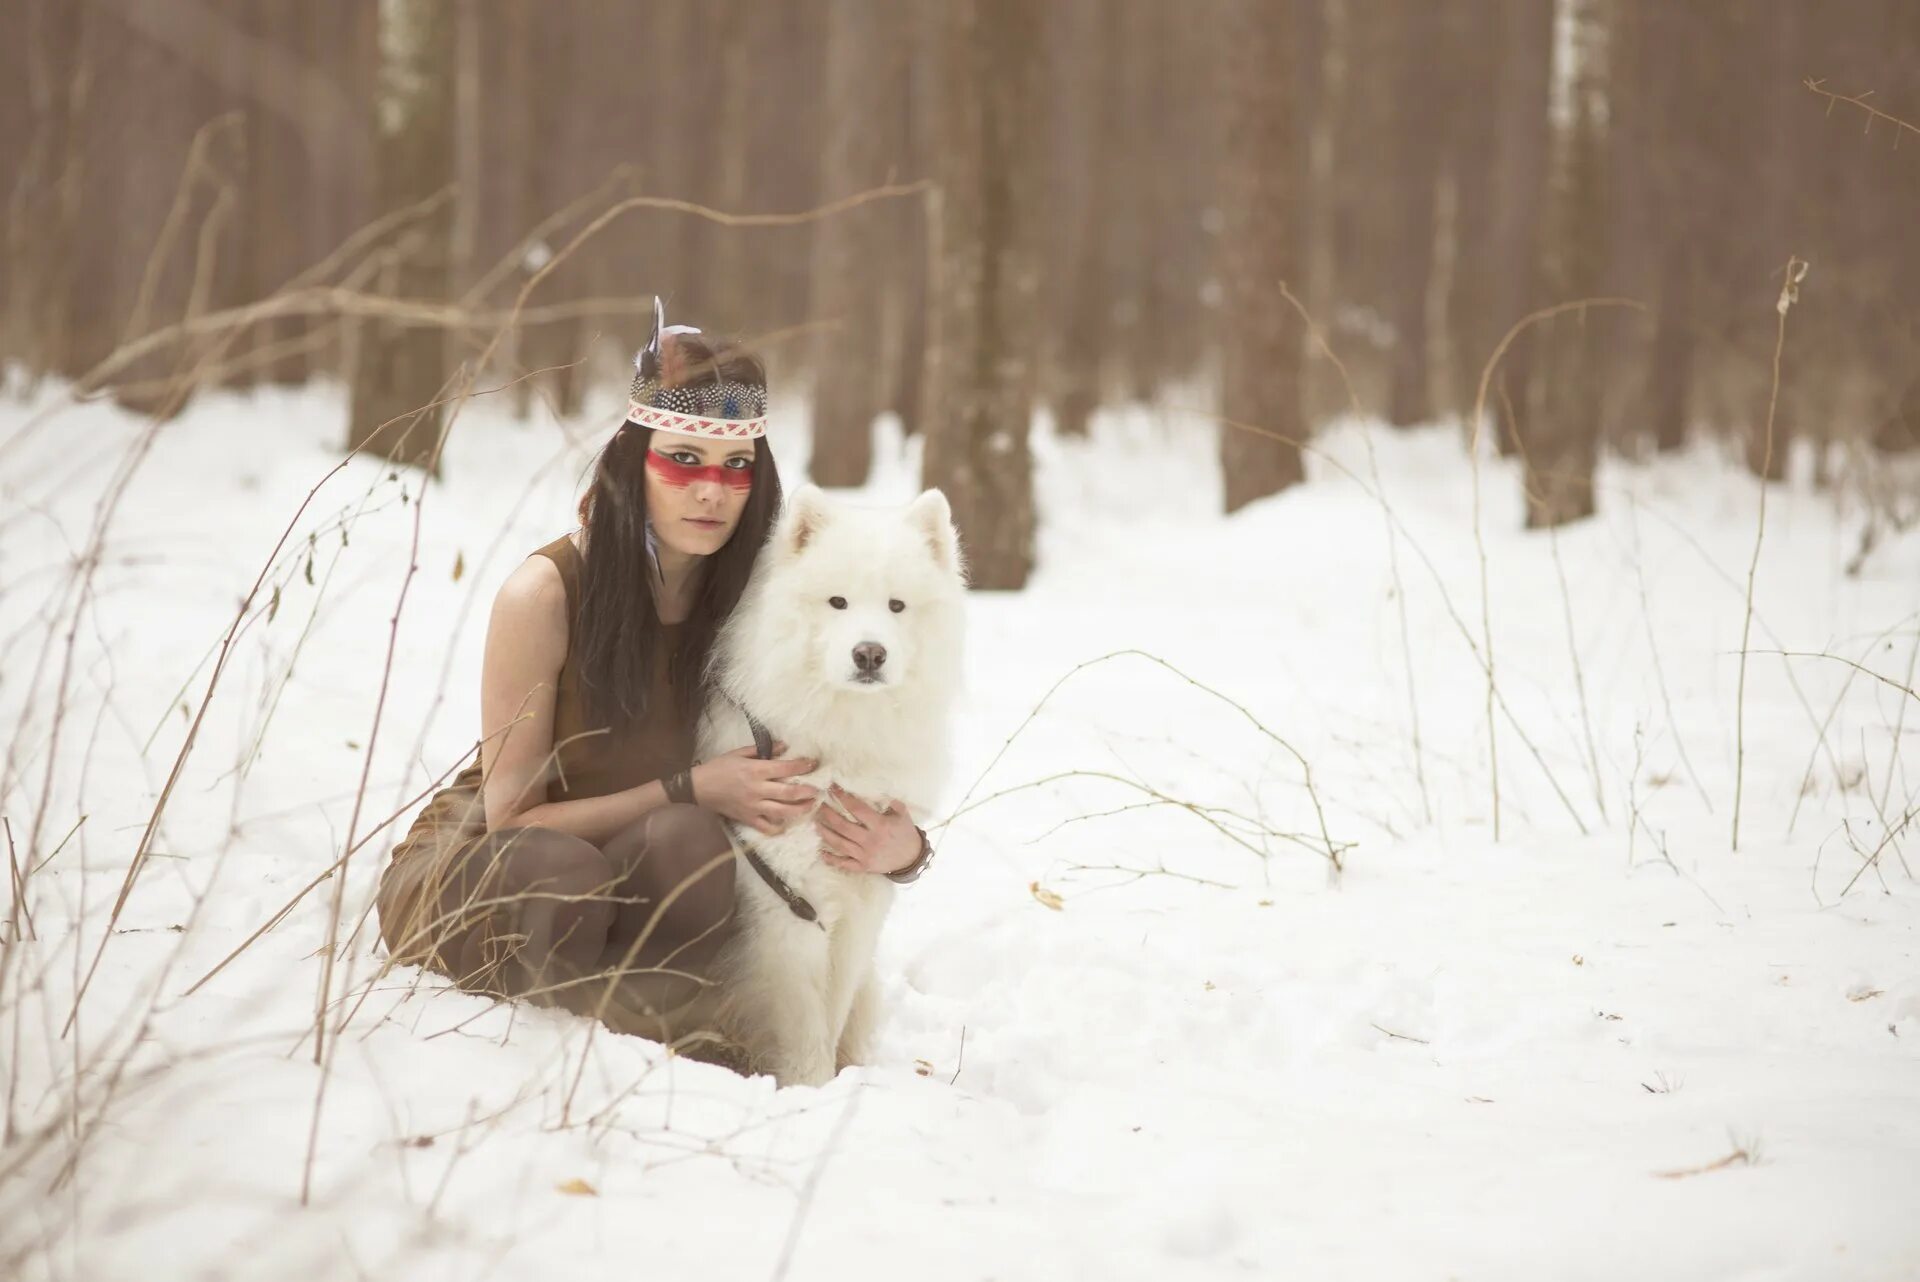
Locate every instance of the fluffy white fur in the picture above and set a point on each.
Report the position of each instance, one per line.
(797, 996)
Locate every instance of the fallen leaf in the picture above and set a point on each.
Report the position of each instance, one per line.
(578, 1188)
(923, 1067)
(1865, 994)
(459, 565)
(1046, 896)
(1739, 1157)
(1578, 960)
(1266, 903)
(273, 606)
(1209, 985)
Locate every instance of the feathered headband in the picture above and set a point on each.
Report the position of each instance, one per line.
(722, 409)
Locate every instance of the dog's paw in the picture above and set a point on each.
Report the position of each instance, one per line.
(808, 1073)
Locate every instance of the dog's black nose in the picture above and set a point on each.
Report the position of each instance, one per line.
(869, 655)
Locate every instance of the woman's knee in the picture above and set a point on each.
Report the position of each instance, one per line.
(676, 834)
(558, 887)
(517, 859)
(677, 862)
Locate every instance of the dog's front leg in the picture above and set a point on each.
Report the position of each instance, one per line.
(863, 1022)
(782, 1004)
(855, 995)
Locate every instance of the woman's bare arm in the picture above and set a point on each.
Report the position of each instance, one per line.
(526, 648)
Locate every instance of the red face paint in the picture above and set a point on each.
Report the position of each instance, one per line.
(679, 476)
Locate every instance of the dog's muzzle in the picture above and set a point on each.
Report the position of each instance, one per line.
(869, 658)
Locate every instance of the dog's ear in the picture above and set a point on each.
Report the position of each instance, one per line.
(931, 516)
(806, 513)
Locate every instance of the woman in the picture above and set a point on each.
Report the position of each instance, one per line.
(582, 862)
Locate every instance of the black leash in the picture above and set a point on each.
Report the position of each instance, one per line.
(763, 748)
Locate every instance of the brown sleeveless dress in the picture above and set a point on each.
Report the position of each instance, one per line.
(588, 761)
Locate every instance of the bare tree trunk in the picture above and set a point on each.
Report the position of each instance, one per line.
(403, 370)
(1325, 38)
(43, 194)
(1520, 165)
(1479, 258)
(980, 402)
(1662, 35)
(912, 298)
(1261, 342)
(1420, 107)
(1089, 159)
(276, 209)
(553, 176)
(1562, 445)
(1670, 377)
(344, 45)
(847, 272)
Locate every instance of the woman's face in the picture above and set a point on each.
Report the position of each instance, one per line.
(696, 490)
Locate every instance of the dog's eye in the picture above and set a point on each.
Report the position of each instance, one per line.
(837, 602)
(896, 605)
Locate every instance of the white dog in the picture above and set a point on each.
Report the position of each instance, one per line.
(846, 646)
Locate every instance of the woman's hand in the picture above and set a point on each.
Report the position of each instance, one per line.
(740, 786)
(881, 841)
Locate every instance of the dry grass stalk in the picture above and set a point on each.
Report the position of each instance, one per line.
(1479, 540)
(1789, 294)
(1393, 541)
(1328, 849)
(1439, 583)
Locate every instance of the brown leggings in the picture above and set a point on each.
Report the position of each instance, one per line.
(625, 932)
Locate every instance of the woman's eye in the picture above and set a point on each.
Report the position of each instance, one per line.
(685, 458)
(739, 464)
(837, 602)
(896, 605)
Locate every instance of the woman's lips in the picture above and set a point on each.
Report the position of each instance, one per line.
(703, 522)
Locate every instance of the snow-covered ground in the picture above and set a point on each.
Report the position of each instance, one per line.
(1137, 1028)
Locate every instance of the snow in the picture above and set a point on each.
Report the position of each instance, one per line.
(1462, 1056)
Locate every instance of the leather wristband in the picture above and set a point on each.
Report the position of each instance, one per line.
(911, 873)
(679, 787)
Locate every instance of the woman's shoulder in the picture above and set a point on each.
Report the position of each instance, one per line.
(538, 591)
(563, 553)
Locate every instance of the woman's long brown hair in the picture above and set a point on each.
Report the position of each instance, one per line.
(619, 629)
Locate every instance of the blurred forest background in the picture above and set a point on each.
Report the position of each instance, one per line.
(1041, 204)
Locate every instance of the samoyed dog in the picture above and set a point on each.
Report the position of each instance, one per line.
(846, 646)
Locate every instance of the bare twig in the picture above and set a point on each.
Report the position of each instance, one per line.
(1873, 113)
(1329, 849)
(1789, 294)
(1653, 648)
(1393, 542)
(1479, 541)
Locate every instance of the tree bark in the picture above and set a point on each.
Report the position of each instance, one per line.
(1520, 177)
(403, 370)
(43, 194)
(847, 272)
(980, 398)
(1261, 341)
(1562, 445)
(1420, 109)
